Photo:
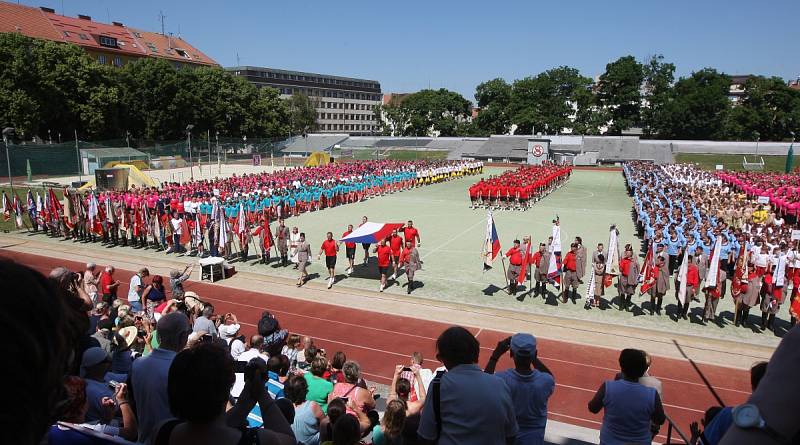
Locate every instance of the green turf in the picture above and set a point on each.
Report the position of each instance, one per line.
(21, 192)
(733, 162)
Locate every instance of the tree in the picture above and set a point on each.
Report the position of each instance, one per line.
(769, 110)
(699, 107)
(550, 102)
(302, 114)
(658, 79)
(618, 94)
(428, 112)
(494, 97)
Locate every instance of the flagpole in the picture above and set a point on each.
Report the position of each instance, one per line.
(505, 274)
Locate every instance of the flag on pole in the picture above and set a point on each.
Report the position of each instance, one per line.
(491, 245)
(94, 210)
(741, 274)
(647, 274)
(241, 221)
(17, 212)
(525, 262)
(6, 207)
(40, 209)
(371, 232)
(31, 204)
(713, 277)
(682, 272)
(197, 231)
(554, 267)
(612, 257)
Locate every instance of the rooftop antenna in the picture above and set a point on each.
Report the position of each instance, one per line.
(169, 40)
(237, 59)
(179, 31)
(161, 17)
(108, 16)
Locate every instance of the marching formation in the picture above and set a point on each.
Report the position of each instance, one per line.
(700, 237)
(226, 217)
(518, 189)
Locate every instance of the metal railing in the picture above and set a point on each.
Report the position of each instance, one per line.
(673, 427)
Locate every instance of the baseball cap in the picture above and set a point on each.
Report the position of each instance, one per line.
(93, 356)
(523, 345)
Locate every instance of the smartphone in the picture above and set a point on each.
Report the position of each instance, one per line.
(113, 384)
(407, 369)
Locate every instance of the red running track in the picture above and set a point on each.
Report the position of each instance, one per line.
(380, 341)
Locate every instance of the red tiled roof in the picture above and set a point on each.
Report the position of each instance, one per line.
(84, 32)
(170, 47)
(26, 20)
(87, 33)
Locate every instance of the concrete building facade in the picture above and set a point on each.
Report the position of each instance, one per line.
(343, 104)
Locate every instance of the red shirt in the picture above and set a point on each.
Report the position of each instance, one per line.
(329, 247)
(515, 256)
(411, 234)
(105, 281)
(395, 242)
(384, 256)
(571, 261)
(692, 276)
(348, 244)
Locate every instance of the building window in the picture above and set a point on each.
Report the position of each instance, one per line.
(117, 61)
(108, 41)
(101, 59)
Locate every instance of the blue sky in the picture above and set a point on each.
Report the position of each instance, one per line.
(409, 45)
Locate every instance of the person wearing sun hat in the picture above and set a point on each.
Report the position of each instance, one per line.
(121, 359)
(531, 385)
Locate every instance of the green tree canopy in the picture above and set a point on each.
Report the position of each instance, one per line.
(427, 112)
(494, 98)
(550, 101)
(618, 94)
(769, 110)
(698, 108)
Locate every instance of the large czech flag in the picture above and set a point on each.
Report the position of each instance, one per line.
(491, 245)
(371, 232)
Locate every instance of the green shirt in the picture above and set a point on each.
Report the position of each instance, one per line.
(318, 390)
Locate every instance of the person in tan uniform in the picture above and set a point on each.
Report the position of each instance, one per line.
(580, 255)
(660, 287)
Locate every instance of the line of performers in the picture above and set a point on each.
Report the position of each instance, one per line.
(518, 189)
(756, 280)
(208, 217)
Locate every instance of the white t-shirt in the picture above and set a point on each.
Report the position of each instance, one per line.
(133, 290)
(250, 354)
(176, 226)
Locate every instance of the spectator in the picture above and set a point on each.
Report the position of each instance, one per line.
(420, 386)
(108, 285)
(105, 337)
(401, 390)
(256, 350)
(155, 295)
(135, 289)
(229, 331)
(73, 411)
(388, 432)
(90, 281)
(318, 388)
(304, 362)
(204, 322)
(122, 359)
(291, 349)
(176, 279)
(362, 399)
(274, 336)
(275, 389)
(70, 284)
(200, 414)
(346, 431)
(475, 407)
(630, 407)
(697, 437)
(99, 312)
(94, 366)
(45, 340)
(716, 429)
(773, 406)
(147, 381)
(334, 373)
(336, 409)
(307, 413)
(531, 385)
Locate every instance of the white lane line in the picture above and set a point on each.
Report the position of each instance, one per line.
(453, 238)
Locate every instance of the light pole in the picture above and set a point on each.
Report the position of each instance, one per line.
(189, 143)
(219, 163)
(128, 138)
(7, 133)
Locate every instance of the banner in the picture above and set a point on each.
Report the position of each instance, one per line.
(491, 244)
(682, 272)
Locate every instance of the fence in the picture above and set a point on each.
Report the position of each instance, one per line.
(63, 159)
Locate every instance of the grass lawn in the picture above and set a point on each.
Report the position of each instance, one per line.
(733, 162)
(21, 192)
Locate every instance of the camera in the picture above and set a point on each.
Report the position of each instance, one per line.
(113, 384)
(253, 366)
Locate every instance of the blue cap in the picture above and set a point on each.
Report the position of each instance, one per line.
(523, 345)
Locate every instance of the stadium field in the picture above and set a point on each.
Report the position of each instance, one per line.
(772, 163)
(452, 236)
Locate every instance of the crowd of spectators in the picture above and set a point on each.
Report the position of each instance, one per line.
(91, 370)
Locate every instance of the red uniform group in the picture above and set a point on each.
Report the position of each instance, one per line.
(518, 188)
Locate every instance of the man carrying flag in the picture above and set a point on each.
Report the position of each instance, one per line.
(716, 277)
(628, 278)
(526, 262)
(243, 233)
(554, 265)
(491, 245)
(570, 268)
(540, 262)
(514, 255)
(612, 259)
